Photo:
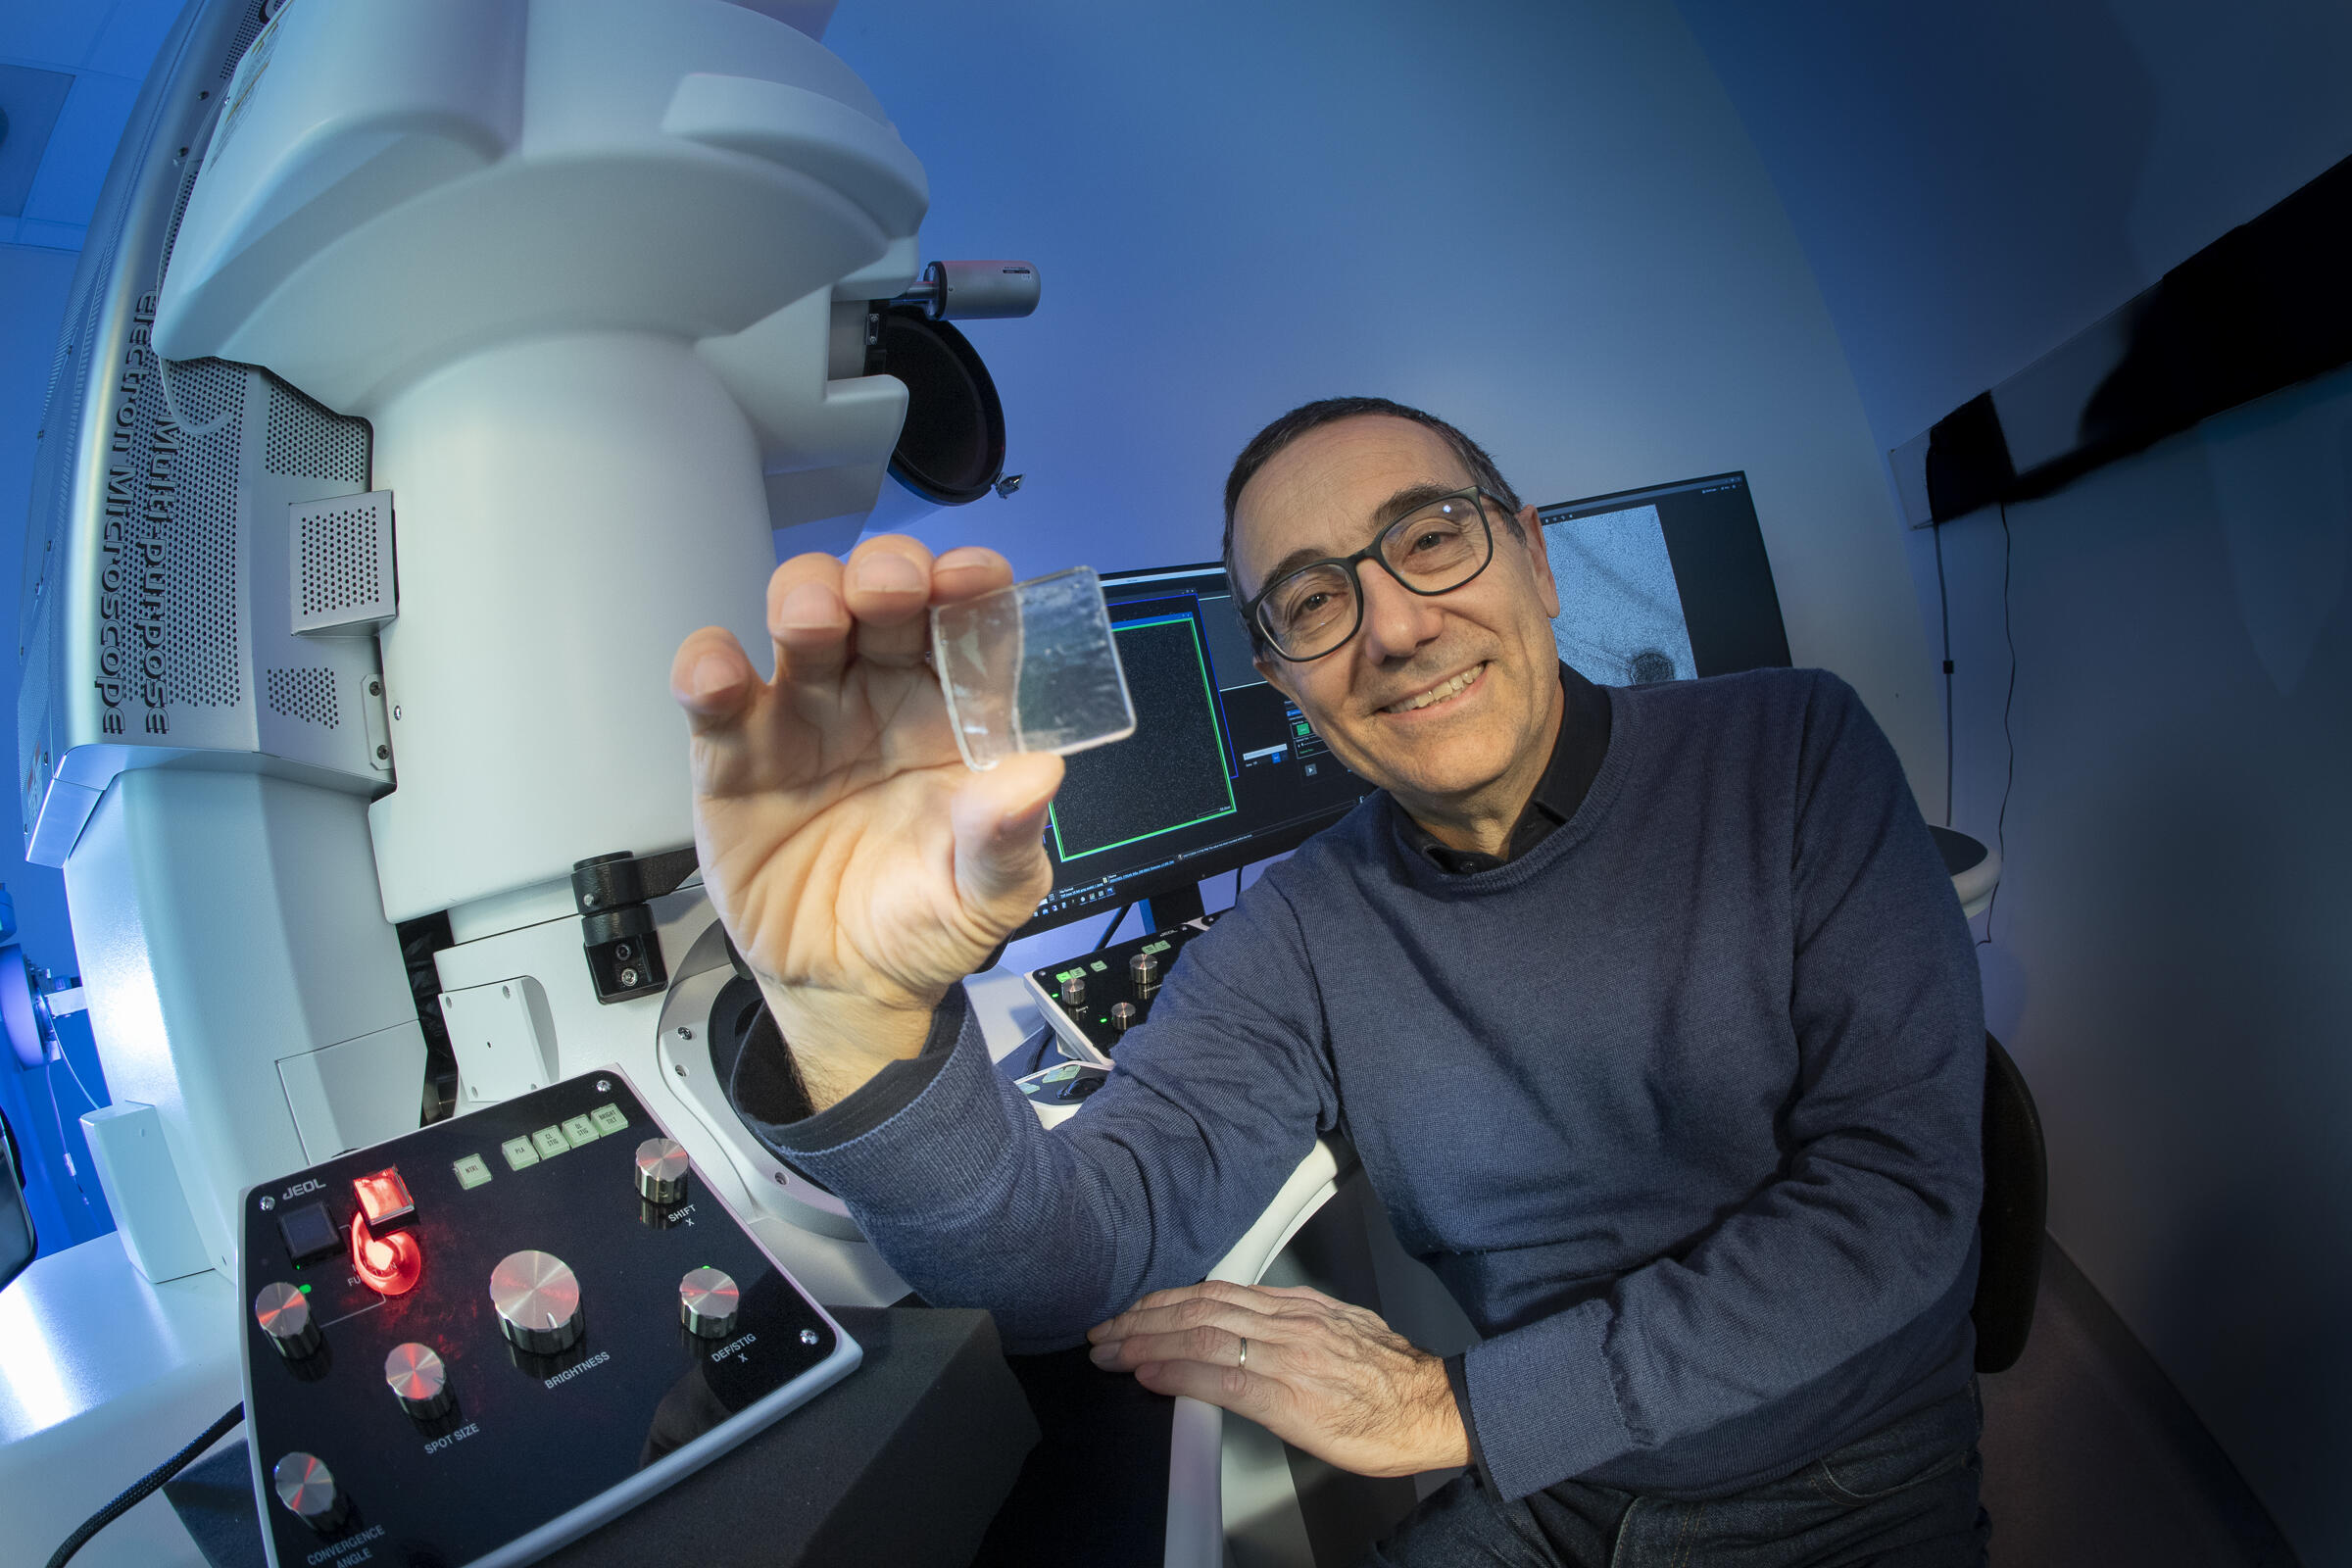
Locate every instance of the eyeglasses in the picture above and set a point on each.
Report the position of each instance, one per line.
(1431, 550)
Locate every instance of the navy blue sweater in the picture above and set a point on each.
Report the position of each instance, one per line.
(1682, 1104)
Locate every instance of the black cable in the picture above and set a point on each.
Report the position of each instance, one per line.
(2001, 825)
(1944, 608)
(1113, 929)
(145, 1485)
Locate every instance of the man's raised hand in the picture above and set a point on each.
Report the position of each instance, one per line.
(859, 866)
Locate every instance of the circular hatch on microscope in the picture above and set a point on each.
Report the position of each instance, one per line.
(952, 448)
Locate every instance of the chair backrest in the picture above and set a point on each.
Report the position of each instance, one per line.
(2017, 1193)
(18, 1243)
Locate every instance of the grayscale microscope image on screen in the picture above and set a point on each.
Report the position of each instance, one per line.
(1666, 584)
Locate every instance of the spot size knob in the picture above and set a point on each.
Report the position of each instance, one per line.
(662, 1166)
(419, 1379)
(538, 1300)
(1122, 1017)
(307, 1487)
(1143, 970)
(284, 1315)
(706, 1304)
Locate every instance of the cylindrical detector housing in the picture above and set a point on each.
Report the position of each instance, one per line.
(982, 291)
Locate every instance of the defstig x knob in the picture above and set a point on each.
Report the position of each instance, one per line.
(706, 1303)
(538, 1301)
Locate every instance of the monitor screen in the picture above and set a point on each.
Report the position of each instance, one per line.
(1221, 770)
(1666, 584)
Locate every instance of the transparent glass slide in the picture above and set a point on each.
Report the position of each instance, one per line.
(1032, 668)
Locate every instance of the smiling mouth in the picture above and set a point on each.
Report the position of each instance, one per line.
(1438, 694)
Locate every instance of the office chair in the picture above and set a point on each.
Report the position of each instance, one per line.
(2016, 1193)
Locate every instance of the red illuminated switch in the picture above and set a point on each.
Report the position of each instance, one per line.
(388, 1264)
(383, 1197)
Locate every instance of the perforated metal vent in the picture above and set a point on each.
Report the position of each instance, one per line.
(201, 666)
(179, 210)
(304, 693)
(340, 570)
(247, 31)
(307, 442)
(342, 576)
(204, 391)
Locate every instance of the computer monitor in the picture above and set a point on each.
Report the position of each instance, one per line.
(1221, 771)
(1666, 584)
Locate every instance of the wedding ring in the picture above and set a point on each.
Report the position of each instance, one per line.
(1244, 1360)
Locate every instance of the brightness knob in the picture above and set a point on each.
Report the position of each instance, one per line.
(538, 1301)
(284, 1314)
(661, 1171)
(706, 1304)
(307, 1487)
(419, 1379)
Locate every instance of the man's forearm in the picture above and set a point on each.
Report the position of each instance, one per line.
(838, 1042)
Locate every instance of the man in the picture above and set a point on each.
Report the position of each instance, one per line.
(1649, 1012)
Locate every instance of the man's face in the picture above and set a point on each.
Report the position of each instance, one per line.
(1330, 493)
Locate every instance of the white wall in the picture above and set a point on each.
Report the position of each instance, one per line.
(1544, 223)
(2168, 959)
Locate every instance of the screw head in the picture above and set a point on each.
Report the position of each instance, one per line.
(685, 1031)
(624, 951)
(267, 1203)
(384, 754)
(629, 977)
(779, 1176)
(807, 1336)
(603, 1084)
(679, 1069)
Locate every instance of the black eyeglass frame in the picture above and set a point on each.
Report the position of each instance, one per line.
(1371, 552)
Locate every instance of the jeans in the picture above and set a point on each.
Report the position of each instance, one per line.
(1904, 1497)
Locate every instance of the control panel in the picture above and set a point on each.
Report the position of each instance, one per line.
(1095, 998)
(478, 1341)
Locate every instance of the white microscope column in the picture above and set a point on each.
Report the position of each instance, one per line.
(569, 508)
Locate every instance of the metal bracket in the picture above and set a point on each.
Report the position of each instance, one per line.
(617, 925)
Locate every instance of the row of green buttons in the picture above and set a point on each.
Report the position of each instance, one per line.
(547, 1143)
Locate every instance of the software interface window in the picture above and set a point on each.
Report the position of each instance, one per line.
(1221, 770)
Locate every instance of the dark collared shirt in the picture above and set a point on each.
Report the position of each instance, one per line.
(1576, 755)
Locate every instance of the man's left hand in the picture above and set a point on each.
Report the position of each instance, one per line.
(1326, 1377)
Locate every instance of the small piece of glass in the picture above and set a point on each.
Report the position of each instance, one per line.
(1033, 668)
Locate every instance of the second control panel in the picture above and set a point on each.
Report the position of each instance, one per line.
(1093, 999)
(479, 1340)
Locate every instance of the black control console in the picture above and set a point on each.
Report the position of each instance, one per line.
(476, 1341)
(1095, 998)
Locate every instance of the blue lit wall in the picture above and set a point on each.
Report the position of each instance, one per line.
(2168, 954)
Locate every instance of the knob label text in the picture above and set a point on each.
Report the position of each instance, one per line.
(569, 1373)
